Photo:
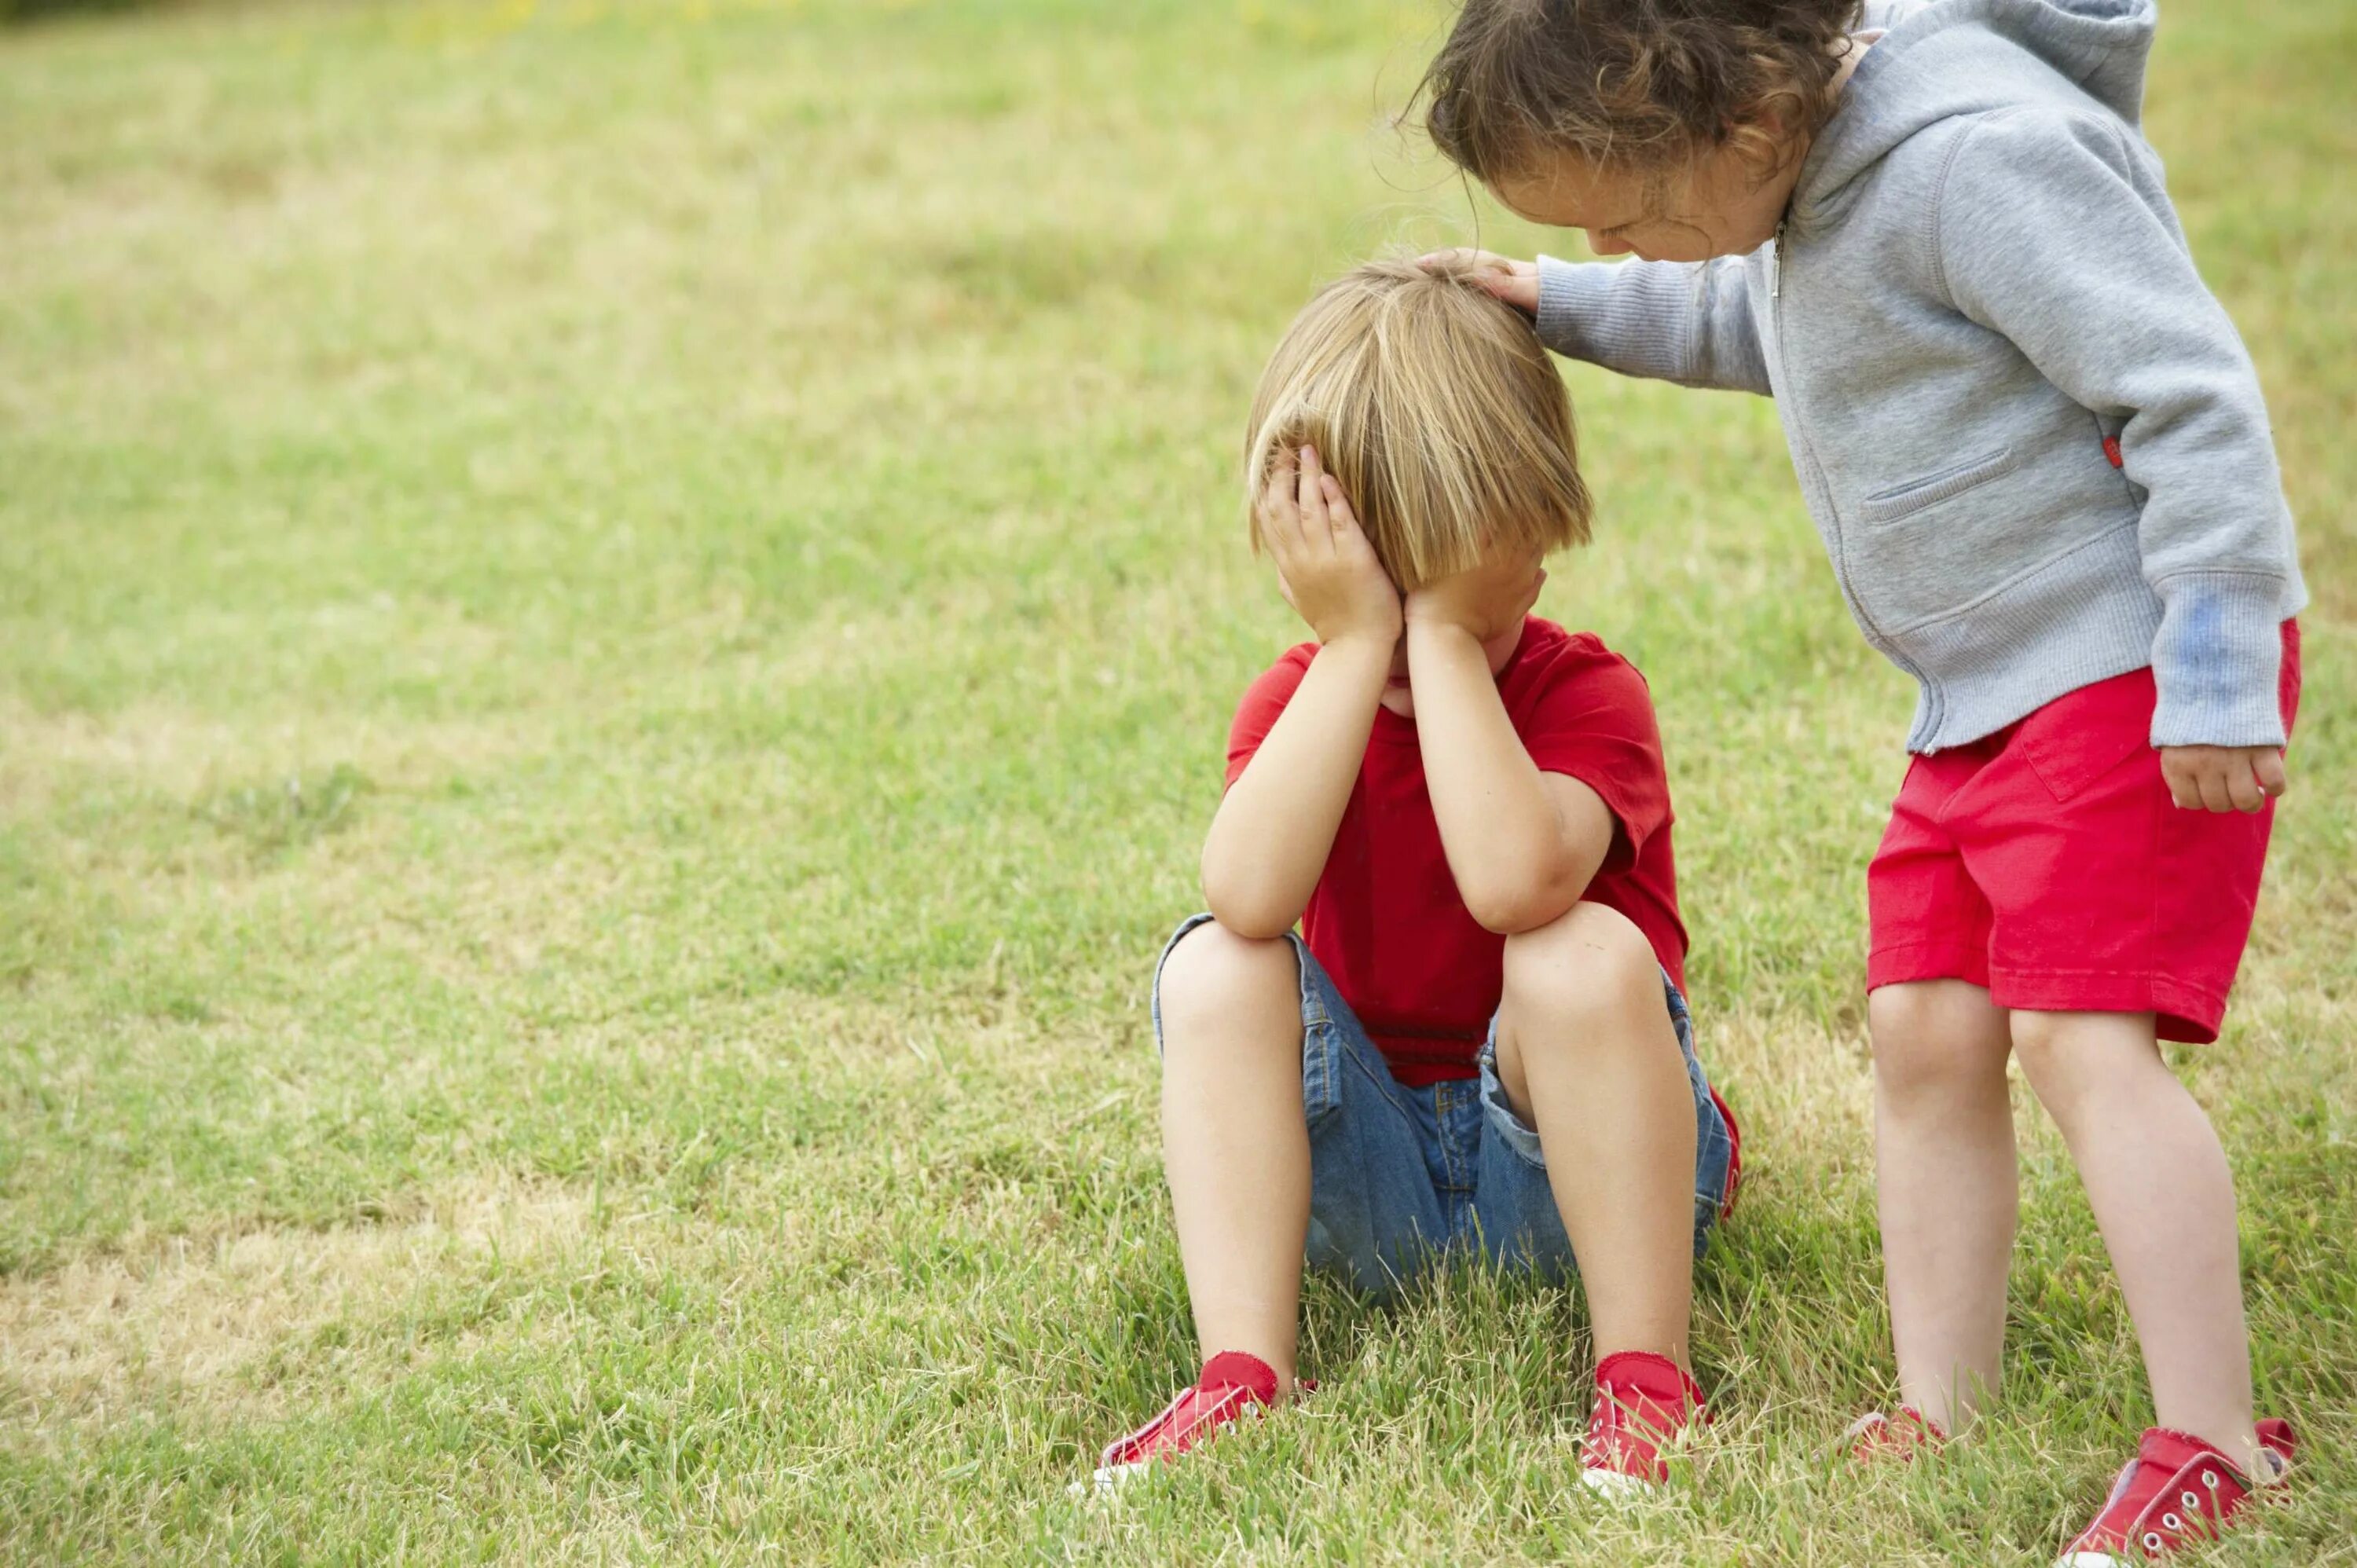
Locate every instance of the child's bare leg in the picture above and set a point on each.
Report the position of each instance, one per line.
(1945, 1187)
(1234, 1148)
(1588, 1055)
(2165, 1201)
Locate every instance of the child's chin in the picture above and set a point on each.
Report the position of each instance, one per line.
(1401, 701)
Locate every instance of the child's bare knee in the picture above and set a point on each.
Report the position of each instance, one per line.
(1588, 968)
(1936, 1040)
(1214, 971)
(2073, 1060)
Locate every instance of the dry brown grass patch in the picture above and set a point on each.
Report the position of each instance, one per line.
(185, 1323)
(186, 754)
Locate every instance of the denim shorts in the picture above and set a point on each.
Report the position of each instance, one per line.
(1400, 1177)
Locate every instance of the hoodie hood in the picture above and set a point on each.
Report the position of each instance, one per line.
(1941, 58)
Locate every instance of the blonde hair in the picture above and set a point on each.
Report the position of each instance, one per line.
(1434, 406)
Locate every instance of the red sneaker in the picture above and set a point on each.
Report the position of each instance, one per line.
(1642, 1402)
(1232, 1384)
(2178, 1490)
(1874, 1436)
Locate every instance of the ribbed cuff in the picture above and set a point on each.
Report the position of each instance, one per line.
(2218, 660)
(1604, 313)
(1567, 291)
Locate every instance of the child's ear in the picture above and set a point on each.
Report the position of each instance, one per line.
(1765, 136)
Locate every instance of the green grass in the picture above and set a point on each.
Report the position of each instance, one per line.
(614, 631)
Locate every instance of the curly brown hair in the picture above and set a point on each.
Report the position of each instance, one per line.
(1641, 84)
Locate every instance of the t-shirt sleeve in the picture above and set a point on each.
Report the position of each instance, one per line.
(1262, 701)
(1593, 721)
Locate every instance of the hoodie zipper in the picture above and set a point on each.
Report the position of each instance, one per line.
(1874, 634)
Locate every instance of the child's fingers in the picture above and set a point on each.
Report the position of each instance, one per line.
(1339, 515)
(2216, 794)
(1280, 477)
(1310, 494)
(2273, 778)
(2178, 774)
(1351, 540)
(1515, 282)
(1277, 511)
(2246, 782)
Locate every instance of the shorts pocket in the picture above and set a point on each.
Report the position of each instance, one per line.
(1928, 489)
(2085, 735)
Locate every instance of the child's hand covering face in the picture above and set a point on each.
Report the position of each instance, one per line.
(1325, 566)
(1488, 601)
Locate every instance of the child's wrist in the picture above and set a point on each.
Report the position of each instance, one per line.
(1358, 645)
(1437, 630)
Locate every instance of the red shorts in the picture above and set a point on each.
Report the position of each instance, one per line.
(2047, 863)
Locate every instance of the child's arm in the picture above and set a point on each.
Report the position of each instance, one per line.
(1688, 322)
(1521, 844)
(2053, 231)
(1268, 843)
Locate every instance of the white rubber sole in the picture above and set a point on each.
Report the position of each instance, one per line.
(1108, 1479)
(1614, 1487)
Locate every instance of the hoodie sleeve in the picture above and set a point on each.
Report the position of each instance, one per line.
(2053, 231)
(1688, 322)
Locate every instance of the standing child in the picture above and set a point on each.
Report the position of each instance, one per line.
(1478, 1039)
(2038, 455)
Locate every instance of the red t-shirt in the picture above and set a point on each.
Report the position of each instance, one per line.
(1387, 920)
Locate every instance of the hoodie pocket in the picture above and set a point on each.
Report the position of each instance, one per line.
(1901, 500)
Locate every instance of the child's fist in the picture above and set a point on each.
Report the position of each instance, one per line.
(2223, 778)
(1325, 566)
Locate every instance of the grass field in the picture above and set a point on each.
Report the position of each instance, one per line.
(614, 632)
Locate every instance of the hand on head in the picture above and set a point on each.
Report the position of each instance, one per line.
(1325, 566)
(1516, 282)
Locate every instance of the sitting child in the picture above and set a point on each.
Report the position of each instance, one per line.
(1478, 1039)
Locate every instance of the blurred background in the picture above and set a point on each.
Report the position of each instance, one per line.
(617, 623)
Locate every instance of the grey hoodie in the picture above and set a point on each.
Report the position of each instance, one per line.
(2033, 441)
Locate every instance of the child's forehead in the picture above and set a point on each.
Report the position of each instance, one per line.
(1565, 188)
